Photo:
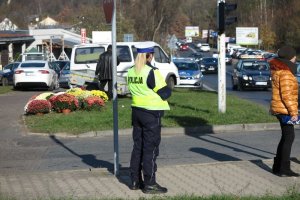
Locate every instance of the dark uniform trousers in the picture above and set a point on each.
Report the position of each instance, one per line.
(146, 139)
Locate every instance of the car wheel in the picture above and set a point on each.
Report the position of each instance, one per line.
(4, 81)
(171, 82)
(234, 87)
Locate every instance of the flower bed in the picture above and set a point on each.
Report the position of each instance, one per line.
(72, 99)
(92, 103)
(64, 101)
(38, 106)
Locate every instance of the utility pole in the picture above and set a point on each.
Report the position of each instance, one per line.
(115, 94)
(110, 10)
(221, 58)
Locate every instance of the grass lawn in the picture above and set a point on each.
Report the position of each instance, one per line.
(189, 108)
(5, 89)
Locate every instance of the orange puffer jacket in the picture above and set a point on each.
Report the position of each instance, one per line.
(284, 89)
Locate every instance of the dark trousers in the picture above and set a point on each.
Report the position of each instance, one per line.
(110, 88)
(285, 145)
(146, 139)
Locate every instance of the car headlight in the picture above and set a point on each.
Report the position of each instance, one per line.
(250, 77)
(196, 76)
(202, 66)
(245, 77)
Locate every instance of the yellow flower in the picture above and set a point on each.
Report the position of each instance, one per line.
(101, 94)
(75, 91)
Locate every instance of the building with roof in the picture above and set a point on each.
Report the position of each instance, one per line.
(56, 42)
(12, 43)
(46, 37)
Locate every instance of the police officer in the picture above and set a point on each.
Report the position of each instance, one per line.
(149, 93)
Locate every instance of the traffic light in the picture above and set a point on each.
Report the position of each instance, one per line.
(224, 10)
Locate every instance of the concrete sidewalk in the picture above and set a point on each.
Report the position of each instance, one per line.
(238, 178)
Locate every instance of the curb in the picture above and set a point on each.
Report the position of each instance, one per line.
(200, 130)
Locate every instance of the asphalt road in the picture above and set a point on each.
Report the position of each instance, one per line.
(22, 152)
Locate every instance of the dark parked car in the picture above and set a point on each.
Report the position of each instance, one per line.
(6, 75)
(251, 73)
(61, 63)
(64, 78)
(209, 64)
(198, 56)
(298, 73)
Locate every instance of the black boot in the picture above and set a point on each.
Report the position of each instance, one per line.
(154, 189)
(285, 170)
(137, 184)
(276, 166)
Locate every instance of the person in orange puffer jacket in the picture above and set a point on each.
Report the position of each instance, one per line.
(284, 103)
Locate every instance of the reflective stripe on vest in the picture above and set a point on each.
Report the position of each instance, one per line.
(142, 95)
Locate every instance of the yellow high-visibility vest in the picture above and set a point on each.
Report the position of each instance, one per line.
(142, 95)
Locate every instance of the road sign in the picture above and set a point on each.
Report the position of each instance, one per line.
(83, 35)
(108, 6)
(128, 38)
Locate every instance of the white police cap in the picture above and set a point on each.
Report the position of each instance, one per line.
(145, 47)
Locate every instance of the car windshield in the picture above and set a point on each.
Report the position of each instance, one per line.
(209, 60)
(123, 54)
(186, 66)
(88, 54)
(34, 65)
(8, 67)
(255, 66)
(61, 64)
(34, 57)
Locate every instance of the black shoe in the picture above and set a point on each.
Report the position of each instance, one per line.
(137, 185)
(154, 189)
(276, 166)
(287, 173)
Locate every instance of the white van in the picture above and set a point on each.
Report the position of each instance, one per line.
(84, 58)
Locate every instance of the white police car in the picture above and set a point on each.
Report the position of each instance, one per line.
(189, 72)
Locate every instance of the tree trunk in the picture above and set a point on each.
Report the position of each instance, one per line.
(157, 27)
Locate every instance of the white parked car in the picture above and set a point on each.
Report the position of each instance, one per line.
(205, 47)
(35, 74)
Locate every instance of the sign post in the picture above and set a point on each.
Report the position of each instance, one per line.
(108, 6)
(110, 15)
(221, 58)
(83, 35)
